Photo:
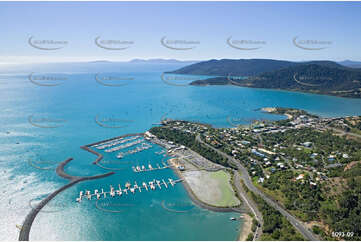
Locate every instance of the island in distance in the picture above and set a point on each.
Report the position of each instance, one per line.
(322, 77)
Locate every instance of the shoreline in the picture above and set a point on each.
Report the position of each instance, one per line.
(275, 89)
(247, 222)
(273, 110)
(246, 228)
(198, 201)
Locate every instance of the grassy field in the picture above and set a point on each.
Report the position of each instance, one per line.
(228, 197)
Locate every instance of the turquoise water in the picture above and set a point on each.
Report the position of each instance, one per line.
(73, 107)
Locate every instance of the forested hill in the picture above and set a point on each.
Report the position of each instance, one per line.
(244, 67)
(324, 77)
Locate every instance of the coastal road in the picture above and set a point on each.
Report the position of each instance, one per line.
(250, 203)
(307, 234)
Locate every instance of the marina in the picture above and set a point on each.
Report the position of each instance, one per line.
(127, 187)
(143, 168)
(113, 142)
(142, 147)
(124, 146)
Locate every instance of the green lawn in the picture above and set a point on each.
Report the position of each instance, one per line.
(228, 197)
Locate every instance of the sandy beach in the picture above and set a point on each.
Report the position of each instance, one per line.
(246, 227)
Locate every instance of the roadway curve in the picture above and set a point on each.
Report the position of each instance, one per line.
(344, 132)
(248, 182)
(25, 229)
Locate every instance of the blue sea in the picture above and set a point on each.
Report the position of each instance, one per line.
(41, 126)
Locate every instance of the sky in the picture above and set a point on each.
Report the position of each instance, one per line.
(264, 29)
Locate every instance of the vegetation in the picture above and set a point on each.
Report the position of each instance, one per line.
(228, 198)
(344, 213)
(241, 67)
(275, 226)
(323, 143)
(250, 237)
(319, 180)
(324, 77)
(300, 196)
(189, 141)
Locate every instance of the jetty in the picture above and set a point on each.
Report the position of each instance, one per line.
(124, 146)
(132, 188)
(96, 144)
(143, 168)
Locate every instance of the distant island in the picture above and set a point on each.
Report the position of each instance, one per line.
(322, 77)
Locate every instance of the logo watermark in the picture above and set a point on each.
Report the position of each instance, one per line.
(53, 206)
(179, 44)
(237, 121)
(305, 80)
(43, 165)
(177, 207)
(46, 122)
(311, 44)
(113, 80)
(46, 80)
(245, 44)
(304, 205)
(236, 79)
(112, 122)
(113, 44)
(47, 44)
(112, 207)
(110, 162)
(177, 80)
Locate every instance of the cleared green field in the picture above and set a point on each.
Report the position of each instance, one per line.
(228, 197)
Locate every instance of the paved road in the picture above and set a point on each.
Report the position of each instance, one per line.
(248, 182)
(250, 203)
(344, 132)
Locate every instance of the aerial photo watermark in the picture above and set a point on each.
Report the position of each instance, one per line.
(112, 122)
(112, 207)
(234, 79)
(177, 80)
(311, 44)
(43, 165)
(46, 80)
(113, 80)
(245, 44)
(47, 44)
(46, 122)
(306, 80)
(236, 121)
(113, 44)
(177, 206)
(179, 44)
(54, 206)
